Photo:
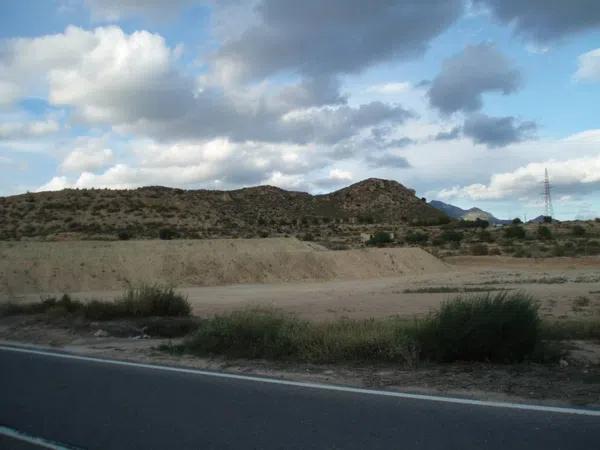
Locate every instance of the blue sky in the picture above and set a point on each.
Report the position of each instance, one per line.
(466, 102)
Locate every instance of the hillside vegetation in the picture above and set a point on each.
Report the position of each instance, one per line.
(152, 212)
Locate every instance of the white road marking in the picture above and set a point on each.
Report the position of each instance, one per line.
(329, 387)
(40, 442)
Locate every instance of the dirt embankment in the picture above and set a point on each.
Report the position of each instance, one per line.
(33, 267)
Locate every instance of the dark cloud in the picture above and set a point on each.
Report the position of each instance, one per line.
(215, 115)
(454, 133)
(497, 131)
(466, 76)
(317, 38)
(387, 160)
(546, 20)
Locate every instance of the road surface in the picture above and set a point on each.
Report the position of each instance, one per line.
(91, 404)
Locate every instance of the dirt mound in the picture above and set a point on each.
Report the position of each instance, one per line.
(31, 267)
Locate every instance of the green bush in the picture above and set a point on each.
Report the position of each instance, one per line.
(415, 237)
(252, 333)
(380, 238)
(499, 327)
(514, 232)
(64, 304)
(124, 235)
(153, 300)
(578, 231)
(166, 234)
(451, 236)
(144, 301)
(544, 233)
(517, 221)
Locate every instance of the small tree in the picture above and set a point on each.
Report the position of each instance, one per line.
(124, 235)
(452, 236)
(416, 238)
(166, 234)
(514, 232)
(480, 223)
(517, 221)
(544, 233)
(380, 238)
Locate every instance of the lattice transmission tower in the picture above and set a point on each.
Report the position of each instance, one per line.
(549, 210)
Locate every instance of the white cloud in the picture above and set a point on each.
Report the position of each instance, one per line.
(9, 92)
(23, 130)
(105, 74)
(89, 154)
(588, 136)
(55, 184)
(189, 163)
(390, 88)
(526, 181)
(589, 66)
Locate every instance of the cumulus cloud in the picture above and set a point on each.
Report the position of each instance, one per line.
(573, 175)
(89, 154)
(497, 131)
(131, 83)
(465, 77)
(589, 66)
(189, 163)
(546, 20)
(105, 74)
(25, 130)
(340, 36)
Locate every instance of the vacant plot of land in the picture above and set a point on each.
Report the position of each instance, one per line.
(302, 278)
(56, 267)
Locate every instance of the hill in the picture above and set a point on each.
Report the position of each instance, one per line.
(466, 214)
(248, 212)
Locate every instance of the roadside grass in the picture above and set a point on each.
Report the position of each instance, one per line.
(452, 289)
(136, 302)
(565, 329)
(498, 327)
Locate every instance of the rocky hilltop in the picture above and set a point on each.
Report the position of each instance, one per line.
(248, 212)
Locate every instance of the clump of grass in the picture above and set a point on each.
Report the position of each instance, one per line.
(501, 327)
(143, 301)
(62, 305)
(452, 289)
(382, 340)
(251, 333)
(581, 302)
(153, 300)
(570, 329)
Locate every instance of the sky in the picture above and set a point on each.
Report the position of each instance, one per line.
(465, 101)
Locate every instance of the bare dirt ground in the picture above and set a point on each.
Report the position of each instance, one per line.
(299, 277)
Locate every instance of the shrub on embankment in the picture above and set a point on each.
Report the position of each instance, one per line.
(499, 327)
(136, 302)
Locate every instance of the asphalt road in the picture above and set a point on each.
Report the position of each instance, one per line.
(94, 405)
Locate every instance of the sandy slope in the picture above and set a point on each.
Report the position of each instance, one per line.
(34, 267)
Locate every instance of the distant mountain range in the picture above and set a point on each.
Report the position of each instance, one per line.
(467, 214)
